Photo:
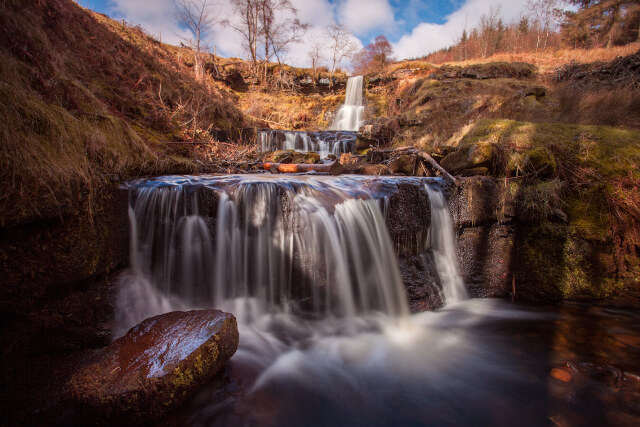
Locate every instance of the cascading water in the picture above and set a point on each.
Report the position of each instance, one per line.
(324, 142)
(274, 245)
(441, 240)
(350, 115)
(307, 266)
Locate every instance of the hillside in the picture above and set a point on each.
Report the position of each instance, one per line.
(85, 101)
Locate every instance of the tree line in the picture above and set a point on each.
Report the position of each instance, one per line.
(270, 27)
(548, 24)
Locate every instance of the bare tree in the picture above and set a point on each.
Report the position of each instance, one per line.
(247, 26)
(316, 55)
(491, 31)
(279, 27)
(341, 45)
(197, 16)
(544, 17)
(268, 28)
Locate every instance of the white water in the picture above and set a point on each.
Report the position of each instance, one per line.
(443, 245)
(308, 268)
(323, 143)
(350, 115)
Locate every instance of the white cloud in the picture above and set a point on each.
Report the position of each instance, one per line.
(364, 16)
(318, 13)
(426, 37)
(157, 17)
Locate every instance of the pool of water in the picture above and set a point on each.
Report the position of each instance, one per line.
(479, 362)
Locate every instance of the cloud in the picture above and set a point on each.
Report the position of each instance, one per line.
(426, 37)
(364, 16)
(157, 17)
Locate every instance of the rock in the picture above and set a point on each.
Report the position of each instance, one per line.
(475, 72)
(349, 159)
(282, 156)
(378, 133)
(468, 157)
(474, 171)
(155, 366)
(537, 91)
(421, 281)
(374, 170)
(309, 158)
(481, 200)
(485, 255)
(406, 164)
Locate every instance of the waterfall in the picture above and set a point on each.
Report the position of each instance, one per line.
(350, 114)
(442, 242)
(270, 244)
(323, 143)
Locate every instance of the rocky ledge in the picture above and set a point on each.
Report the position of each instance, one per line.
(155, 366)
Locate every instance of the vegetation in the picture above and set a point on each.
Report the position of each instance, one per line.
(85, 101)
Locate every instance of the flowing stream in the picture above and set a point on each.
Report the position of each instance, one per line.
(307, 266)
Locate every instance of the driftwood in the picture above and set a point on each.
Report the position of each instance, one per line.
(427, 157)
(421, 154)
(334, 168)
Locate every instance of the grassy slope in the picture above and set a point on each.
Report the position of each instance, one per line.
(568, 155)
(85, 99)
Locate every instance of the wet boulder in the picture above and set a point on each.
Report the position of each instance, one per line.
(155, 366)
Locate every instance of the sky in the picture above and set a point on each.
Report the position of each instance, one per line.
(414, 27)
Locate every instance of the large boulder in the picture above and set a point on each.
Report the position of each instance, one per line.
(155, 366)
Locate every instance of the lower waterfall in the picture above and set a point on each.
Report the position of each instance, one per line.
(308, 267)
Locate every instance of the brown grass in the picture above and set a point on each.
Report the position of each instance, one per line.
(84, 100)
(550, 59)
(618, 107)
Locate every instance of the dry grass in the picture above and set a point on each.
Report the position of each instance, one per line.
(549, 60)
(85, 100)
(618, 107)
(290, 111)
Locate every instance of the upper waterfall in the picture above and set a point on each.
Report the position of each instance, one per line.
(350, 115)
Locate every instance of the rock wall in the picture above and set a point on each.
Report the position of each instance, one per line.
(57, 280)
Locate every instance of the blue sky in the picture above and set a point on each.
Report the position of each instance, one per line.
(415, 27)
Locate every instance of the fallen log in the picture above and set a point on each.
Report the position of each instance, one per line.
(426, 157)
(334, 168)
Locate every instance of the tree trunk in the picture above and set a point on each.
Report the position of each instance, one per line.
(334, 168)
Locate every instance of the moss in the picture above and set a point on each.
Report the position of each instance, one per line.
(555, 263)
(542, 200)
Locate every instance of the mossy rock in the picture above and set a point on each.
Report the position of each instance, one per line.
(554, 263)
(282, 156)
(470, 156)
(538, 160)
(309, 158)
